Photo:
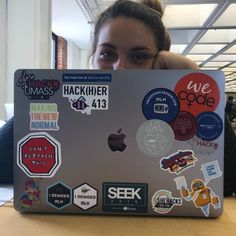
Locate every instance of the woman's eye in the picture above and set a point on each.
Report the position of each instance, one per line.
(107, 55)
(139, 58)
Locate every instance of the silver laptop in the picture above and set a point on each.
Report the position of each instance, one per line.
(132, 142)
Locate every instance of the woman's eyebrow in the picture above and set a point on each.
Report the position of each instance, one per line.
(142, 48)
(109, 45)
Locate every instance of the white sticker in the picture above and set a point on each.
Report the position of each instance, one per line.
(85, 98)
(44, 116)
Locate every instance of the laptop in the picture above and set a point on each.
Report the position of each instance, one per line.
(135, 142)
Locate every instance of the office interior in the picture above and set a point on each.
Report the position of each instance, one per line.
(56, 34)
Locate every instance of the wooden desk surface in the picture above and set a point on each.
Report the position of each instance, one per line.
(13, 223)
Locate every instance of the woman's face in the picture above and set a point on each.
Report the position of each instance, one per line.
(125, 43)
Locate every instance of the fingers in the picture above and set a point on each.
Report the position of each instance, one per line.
(169, 60)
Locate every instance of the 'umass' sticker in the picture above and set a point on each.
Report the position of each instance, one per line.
(35, 88)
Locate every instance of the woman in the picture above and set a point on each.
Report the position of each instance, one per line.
(130, 35)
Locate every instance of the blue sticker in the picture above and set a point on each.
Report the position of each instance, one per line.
(210, 126)
(125, 197)
(86, 77)
(160, 103)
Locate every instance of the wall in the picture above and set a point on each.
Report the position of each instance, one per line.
(28, 38)
(3, 43)
(73, 51)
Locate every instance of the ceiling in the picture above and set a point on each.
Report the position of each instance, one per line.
(203, 30)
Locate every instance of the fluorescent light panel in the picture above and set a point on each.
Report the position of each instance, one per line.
(198, 57)
(192, 15)
(206, 48)
(219, 36)
(226, 19)
(178, 48)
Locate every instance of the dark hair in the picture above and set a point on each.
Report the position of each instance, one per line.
(147, 11)
(230, 98)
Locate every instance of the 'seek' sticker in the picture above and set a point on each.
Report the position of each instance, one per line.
(197, 92)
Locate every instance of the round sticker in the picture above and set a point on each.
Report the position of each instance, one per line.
(155, 138)
(210, 126)
(203, 146)
(184, 126)
(160, 103)
(197, 92)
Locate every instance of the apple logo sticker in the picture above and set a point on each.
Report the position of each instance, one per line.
(116, 141)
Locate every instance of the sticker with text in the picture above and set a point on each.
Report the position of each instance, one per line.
(211, 170)
(178, 162)
(37, 89)
(155, 138)
(160, 103)
(125, 197)
(59, 195)
(85, 197)
(39, 155)
(184, 126)
(200, 194)
(44, 116)
(163, 201)
(210, 126)
(86, 77)
(203, 147)
(197, 92)
(85, 98)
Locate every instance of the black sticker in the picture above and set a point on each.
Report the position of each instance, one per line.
(125, 197)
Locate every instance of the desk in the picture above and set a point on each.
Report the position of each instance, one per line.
(13, 223)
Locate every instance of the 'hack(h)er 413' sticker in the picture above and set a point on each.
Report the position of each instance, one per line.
(39, 155)
(160, 103)
(197, 92)
(85, 98)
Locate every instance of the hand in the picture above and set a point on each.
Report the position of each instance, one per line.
(170, 60)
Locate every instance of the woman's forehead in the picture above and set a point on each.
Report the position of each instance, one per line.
(123, 31)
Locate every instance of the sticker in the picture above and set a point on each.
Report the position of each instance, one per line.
(116, 141)
(85, 98)
(31, 196)
(211, 170)
(178, 162)
(197, 92)
(44, 116)
(36, 89)
(86, 77)
(155, 138)
(85, 197)
(201, 195)
(59, 195)
(184, 126)
(163, 201)
(125, 197)
(202, 146)
(160, 103)
(39, 155)
(210, 126)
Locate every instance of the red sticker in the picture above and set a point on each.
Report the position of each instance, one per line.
(184, 126)
(197, 92)
(39, 155)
